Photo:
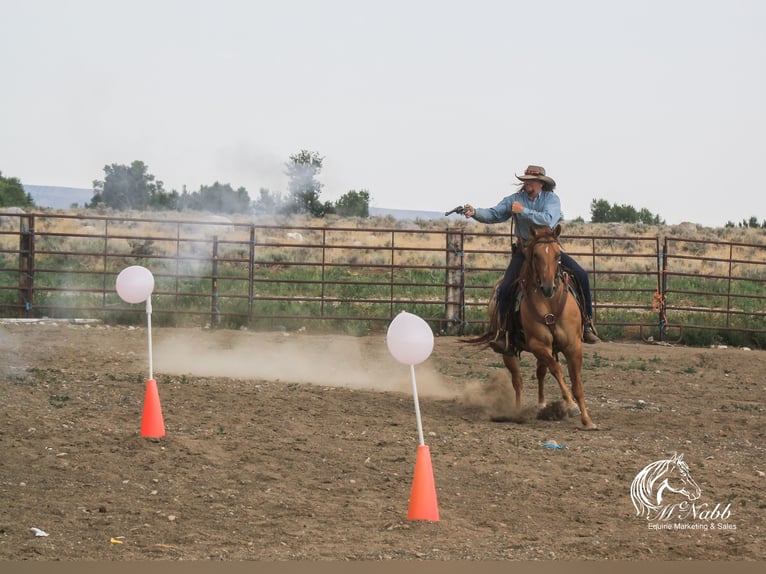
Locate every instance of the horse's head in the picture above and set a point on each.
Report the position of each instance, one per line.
(677, 479)
(657, 479)
(544, 258)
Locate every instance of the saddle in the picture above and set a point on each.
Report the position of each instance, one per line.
(512, 322)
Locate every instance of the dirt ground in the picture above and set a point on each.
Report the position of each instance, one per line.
(283, 446)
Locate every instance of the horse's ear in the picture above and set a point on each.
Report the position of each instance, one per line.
(532, 231)
(557, 230)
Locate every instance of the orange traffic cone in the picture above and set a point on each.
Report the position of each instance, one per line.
(423, 496)
(152, 424)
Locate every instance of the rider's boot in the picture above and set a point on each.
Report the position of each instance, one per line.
(500, 344)
(589, 334)
(502, 341)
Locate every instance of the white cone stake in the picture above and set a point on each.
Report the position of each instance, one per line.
(135, 284)
(149, 333)
(417, 405)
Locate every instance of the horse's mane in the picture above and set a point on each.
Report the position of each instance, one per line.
(642, 488)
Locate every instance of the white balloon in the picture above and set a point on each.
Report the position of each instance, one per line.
(409, 339)
(135, 284)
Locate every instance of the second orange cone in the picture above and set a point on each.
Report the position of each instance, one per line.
(152, 424)
(423, 505)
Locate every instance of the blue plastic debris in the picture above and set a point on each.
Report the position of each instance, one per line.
(552, 444)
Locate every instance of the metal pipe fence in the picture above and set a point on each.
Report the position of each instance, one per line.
(356, 278)
(713, 286)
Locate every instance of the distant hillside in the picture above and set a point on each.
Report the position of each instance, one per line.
(405, 213)
(55, 197)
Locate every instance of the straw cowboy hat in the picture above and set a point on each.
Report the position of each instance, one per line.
(537, 172)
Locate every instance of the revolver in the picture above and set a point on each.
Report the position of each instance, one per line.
(459, 210)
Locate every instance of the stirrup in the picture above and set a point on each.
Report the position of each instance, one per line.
(501, 342)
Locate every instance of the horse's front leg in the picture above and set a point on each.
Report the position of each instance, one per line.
(546, 359)
(574, 364)
(542, 370)
(512, 364)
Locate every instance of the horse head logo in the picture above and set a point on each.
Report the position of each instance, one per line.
(659, 479)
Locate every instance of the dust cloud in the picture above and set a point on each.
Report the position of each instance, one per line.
(9, 350)
(332, 360)
(496, 397)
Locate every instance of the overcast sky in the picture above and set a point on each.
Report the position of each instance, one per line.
(658, 104)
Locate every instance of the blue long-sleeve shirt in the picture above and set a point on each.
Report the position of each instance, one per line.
(545, 209)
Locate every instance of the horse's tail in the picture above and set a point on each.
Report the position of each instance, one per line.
(494, 320)
(483, 339)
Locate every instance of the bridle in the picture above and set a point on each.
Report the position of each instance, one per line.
(549, 319)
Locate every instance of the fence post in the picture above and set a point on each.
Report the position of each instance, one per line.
(454, 303)
(663, 290)
(250, 274)
(214, 298)
(324, 263)
(26, 263)
(728, 284)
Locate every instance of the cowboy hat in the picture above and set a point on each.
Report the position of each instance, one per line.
(537, 172)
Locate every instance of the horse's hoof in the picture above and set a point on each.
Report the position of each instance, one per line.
(553, 412)
(573, 412)
(590, 427)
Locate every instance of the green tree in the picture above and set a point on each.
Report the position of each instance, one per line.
(128, 187)
(218, 198)
(752, 223)
(12, 193)
(624, 213)
(354, 204)
(267, 203)
(303, 188)
(603, 212)
(600, 211)
(645, 216)
(165, 200)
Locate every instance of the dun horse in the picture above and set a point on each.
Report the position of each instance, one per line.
(550, 320)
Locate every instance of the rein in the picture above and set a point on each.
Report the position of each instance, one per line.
(549, 319)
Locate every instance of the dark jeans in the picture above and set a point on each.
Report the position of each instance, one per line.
(513, 271)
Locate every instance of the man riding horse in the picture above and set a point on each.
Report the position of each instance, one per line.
(536, 204)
